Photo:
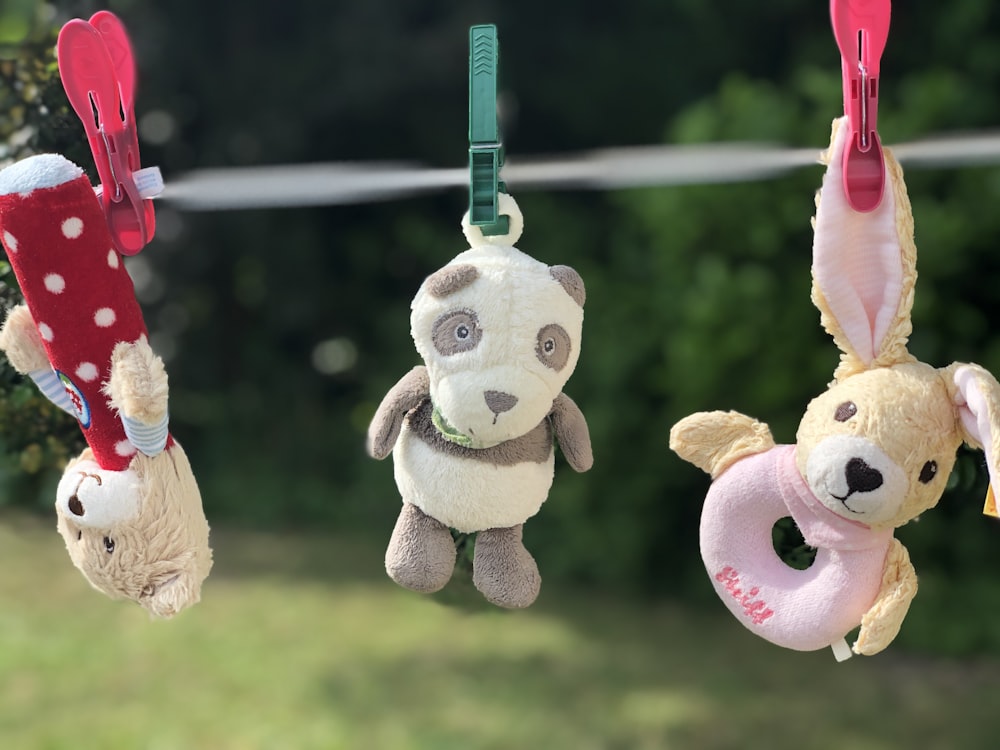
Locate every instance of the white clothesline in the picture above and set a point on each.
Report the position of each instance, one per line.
(279, 186)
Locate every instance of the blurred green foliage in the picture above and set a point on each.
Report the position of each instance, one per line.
(35, 438)
(283, 329)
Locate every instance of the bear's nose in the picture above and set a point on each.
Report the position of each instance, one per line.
(499, 402)
(861, 477)
(75, 506)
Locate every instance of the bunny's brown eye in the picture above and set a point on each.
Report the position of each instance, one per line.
(928, 472)
(845, 411)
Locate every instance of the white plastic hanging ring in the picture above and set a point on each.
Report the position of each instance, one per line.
(507, 206)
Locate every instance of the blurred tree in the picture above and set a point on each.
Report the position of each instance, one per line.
(35, 437)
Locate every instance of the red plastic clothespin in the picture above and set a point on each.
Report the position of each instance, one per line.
(861, 28)
(98, 73)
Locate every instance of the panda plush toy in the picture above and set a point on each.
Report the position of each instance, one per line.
(472, 430)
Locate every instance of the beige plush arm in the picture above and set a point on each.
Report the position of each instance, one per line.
(138, 387)
(899, 585)
(714, 440)
(572, 432)
(411, 389)
(20, 341)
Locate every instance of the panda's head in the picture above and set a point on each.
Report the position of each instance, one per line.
(500, 335)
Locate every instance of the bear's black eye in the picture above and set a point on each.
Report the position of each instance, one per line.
(462, 332)
(79, 535)
(549, 346)
(845, 411)
(928, 472)
(109, 544)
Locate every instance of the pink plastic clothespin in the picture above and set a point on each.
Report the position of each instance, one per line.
(98, 73)
(861, 28)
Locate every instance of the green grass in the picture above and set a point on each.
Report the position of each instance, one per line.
(301, 642)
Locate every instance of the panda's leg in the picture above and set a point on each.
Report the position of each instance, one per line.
(421, 552)
(503, 570)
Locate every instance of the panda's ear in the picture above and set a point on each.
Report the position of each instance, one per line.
(451, 279)
(571, 281)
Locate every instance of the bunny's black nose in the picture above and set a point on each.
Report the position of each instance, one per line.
(861, 477)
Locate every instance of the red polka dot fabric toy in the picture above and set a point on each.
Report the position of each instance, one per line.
(128, 508)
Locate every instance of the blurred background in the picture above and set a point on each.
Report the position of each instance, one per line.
(282, 330)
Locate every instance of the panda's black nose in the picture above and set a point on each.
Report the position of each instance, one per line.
(861, 477)
(499, 402)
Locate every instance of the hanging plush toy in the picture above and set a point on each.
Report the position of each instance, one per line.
(872, 452)
(471, 430)
(128, 508)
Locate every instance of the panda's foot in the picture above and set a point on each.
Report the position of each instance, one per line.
(503, 570)
(421, 552)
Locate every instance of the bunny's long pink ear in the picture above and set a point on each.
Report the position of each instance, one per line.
(864, 267)
(977, 397)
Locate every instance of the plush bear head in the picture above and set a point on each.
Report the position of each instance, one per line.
(878, 446)
(138, 534)
(500, 335)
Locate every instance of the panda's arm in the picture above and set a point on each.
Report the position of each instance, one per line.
(407, 394)
(572, 432)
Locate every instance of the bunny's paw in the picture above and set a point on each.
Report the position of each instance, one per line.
(714, 440)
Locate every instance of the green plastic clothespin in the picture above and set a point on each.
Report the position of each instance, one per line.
(485, 148)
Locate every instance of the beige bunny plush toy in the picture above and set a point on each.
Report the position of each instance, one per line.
(872, 452)
(128, 508)
(471, 430)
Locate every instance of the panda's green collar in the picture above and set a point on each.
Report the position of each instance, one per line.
(448, 432)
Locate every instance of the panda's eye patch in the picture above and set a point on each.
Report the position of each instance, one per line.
(845, 411)
(928, 472)
(553, 346)
(456, 332)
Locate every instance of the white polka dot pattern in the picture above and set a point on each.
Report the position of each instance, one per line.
(72, 228)
(87, 372)
(55, 283)
(83, 302)
(124, 448)
(105, 317)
